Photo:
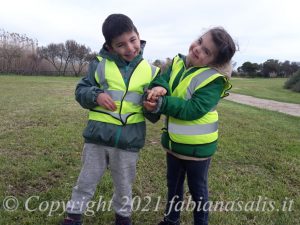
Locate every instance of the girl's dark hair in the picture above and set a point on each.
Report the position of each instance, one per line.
(115, 25)
(224, 44)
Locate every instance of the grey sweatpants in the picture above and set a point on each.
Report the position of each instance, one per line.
(95, 160)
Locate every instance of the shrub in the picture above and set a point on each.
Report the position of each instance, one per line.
(293, 82)
(296, 87)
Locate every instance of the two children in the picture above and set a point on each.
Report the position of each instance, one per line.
(194, 87)
(112, 91)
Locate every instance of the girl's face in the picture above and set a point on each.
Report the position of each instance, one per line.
(202, 52)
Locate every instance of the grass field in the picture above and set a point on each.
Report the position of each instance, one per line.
(265, 88)
(255, 173)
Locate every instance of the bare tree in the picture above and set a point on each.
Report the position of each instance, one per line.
(13, 47)
(71, 48)
(54, 53)
(35, 61)
(80, 59)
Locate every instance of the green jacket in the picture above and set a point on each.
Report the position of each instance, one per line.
(202, 101)
(130, 137)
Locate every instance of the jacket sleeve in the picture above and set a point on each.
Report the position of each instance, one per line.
(87, 89)
(202, 101)
(162, 80)
(152, 117)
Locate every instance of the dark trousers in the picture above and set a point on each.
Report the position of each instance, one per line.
(197, 173)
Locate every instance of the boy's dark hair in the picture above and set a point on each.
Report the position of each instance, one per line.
(115, 25)
(224, 43)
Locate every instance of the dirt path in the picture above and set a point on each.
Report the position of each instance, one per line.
(288, 108)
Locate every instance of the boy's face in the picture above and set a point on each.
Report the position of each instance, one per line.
(127, 45)
(202, 51)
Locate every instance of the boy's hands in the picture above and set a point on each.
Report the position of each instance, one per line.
(150, 106)
(152, 97)
(155, 92)
(106, 101)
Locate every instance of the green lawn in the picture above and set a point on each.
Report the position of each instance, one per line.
(255, 173)
(265, 88)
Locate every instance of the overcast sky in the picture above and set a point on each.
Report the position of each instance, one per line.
(263, 29)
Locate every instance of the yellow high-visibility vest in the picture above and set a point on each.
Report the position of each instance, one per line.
(205, 129)
(128, 99)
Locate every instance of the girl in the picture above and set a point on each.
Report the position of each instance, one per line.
(188, 95)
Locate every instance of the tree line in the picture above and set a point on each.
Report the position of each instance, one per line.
(20, 54)
(270, 68)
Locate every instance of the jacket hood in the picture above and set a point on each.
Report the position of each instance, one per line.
(104, 52)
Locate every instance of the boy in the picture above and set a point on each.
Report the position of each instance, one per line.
(115, 132)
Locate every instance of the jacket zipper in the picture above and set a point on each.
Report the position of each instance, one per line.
(127, 86)
(118, 134)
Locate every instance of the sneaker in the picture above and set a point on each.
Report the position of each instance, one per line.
(165, 222)
(68, 221)
(121, 220)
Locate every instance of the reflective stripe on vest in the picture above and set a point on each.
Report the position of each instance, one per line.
(200, 131)
(130, 96)
(128, 99)
(193, 129)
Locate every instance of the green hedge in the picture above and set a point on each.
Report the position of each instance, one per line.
(293, 82)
